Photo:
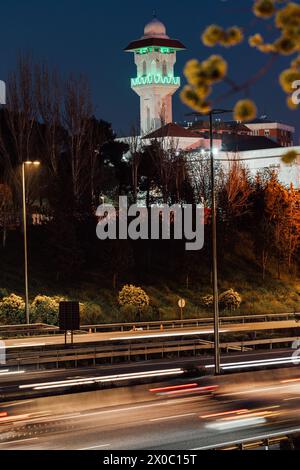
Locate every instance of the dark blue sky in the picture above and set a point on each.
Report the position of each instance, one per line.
(88, 36)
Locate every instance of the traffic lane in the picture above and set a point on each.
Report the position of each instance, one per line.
(41, 341)
(111, 424)
(27, 376)
(141, 430)
(185, 415)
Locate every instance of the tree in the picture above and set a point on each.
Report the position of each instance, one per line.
(276, 207)
(135, 150)
(76, 118)
(292, 230)
(235, 191)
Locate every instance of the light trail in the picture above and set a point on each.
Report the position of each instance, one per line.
(256, 363)
(107, 378)
(166, 335)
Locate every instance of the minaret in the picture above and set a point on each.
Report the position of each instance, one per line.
(155, 83)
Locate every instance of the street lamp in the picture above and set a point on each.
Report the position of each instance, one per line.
(214, 242)
(24, 165)
(213, 152)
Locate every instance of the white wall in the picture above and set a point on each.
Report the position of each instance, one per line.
(268, 158)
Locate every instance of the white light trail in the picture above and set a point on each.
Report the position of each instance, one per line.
(106, 378)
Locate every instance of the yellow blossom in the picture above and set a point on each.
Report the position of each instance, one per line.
(215, 35)
(287, 78)
(288, 17)
(215, 68)
(264, 8)
(191, 98)
(245, 110)
(211, 35)
(231, 37)
(267, 48)
(285, 45)
(289, 157)
(256, 40)
(192, 71)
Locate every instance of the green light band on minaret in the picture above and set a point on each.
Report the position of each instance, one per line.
(155, 79)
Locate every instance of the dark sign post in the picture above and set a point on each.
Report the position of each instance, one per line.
(69, 318)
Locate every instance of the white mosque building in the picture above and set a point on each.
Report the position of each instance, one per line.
(257, 146)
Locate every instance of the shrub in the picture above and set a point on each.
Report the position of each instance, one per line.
(134, 303)
(91, 314)
(230, 300)
(45, 309)
(12, 310)
(135, 296)
(207, 301)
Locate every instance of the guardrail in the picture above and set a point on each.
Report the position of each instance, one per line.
(193, 322)
(128, 351)
(287, 440)
(8, 331)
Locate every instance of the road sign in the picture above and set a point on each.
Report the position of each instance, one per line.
(181, 303)
(69, 316)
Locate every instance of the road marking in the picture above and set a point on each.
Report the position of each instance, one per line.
(172, 417)
(96, 447)
(20, 440)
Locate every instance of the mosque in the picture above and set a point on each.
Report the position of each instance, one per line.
(260, 144)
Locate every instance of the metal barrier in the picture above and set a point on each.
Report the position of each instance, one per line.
(9, 331)
(127, 351)
(285, 439)
(193, 322)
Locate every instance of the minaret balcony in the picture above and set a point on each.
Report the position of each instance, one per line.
(154, 80)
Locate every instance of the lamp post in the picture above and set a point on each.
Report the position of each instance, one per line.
(214, 242)
(24, 165)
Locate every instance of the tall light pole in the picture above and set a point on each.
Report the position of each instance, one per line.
(24, 165)
(214, 242)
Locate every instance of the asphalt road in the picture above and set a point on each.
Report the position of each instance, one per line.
(130, 335)
(137, 418)
(13, 383)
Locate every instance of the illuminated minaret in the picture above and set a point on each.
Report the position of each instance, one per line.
(155, 83)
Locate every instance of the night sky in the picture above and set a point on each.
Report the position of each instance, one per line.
(88, 37)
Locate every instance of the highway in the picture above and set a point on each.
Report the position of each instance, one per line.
(16, 383)
(167, 416)
(90, 338)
